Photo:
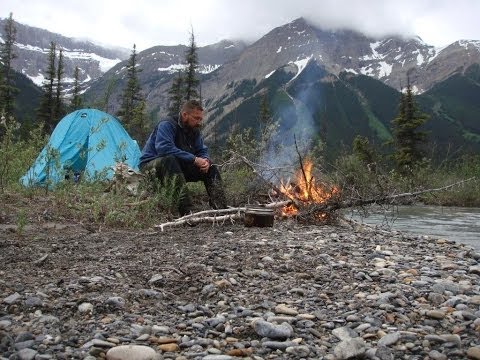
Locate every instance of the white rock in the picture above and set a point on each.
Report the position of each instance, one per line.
(130, 352)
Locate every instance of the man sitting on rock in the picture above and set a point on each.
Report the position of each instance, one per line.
(176, 148)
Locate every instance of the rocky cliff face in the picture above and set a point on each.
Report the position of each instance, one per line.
(389, 60)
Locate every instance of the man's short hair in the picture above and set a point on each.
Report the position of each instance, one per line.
(191, 105)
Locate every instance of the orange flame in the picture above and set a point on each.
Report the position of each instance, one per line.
(305, 190)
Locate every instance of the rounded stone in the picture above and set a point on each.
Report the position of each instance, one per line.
(128, 352)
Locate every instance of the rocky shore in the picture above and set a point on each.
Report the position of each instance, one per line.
(224, 292)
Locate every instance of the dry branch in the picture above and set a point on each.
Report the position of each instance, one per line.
(192, 221)
(231, 214)
(329, 207)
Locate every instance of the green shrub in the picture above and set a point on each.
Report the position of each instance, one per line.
(16, 155)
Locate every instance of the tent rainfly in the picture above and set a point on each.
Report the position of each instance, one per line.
(85, 143)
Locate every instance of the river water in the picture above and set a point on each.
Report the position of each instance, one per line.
(453, 223)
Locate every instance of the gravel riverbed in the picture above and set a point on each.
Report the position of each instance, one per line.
(224, 292)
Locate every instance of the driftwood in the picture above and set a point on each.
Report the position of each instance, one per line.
(217, 216)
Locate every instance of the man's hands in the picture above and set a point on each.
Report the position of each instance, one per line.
(202, 164)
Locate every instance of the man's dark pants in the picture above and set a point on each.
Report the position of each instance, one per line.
(167, 166)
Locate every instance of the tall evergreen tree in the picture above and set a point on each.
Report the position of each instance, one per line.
(104, 102)
(131, 93)
(76, 102)
(46, 111)
(408, 141)
(132, 101)
(192, 83)
(140, 124)
(7, 54)
(364, 151)
(186, 85)
(59, 111)
(265, 114)
(176, 93)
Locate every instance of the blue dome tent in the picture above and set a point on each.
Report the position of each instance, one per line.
(85, 143)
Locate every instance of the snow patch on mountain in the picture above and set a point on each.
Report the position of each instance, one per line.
(270, 74)
(466, 43)
(437, 52)
(367, 70)
(37, 80)
(164, 53)
(420, 59)
(104, 63)
(375, 54)
(206, 69)
(385, 69)
(31, 48)
(300, 65)
(173, 68)
(279, 49)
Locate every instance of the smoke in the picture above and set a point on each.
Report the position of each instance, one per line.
(293, 136)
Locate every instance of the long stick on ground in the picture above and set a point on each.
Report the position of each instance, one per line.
(211, 219)
(224, 214)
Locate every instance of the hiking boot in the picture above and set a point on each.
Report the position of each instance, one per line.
(216, 194)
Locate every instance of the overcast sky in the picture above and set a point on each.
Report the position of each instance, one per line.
(168, 22)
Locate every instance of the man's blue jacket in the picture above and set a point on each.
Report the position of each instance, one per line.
(170, 138)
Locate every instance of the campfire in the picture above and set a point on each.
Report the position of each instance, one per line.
(305, 192)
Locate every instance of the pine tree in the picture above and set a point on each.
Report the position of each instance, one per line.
(7, 87)
(176, 94)
(265, 114)
(76, 102)
(59, 110)
(140, 129)
(265, 123)
(191, 81)
(104, 102)
(131, 92)
(46, 111)
(407, 139)
(364, 151)
(186, 85)
(132, 112)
